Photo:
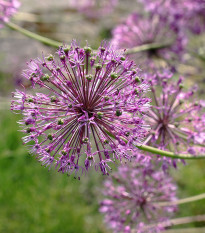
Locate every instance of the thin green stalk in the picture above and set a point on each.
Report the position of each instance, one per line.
(199, 56)
(54, 43)
(34, 36)
(183, 201)
(169, 154)
(183, 220)
(186, 230)
(147, 47)
(176, 221)
(164, 153)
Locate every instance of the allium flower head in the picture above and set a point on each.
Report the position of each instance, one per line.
(139, 29)
(176, 117)
(7, 9)
(94, 8)
(132, 195)
(88, 96)
(183, 14)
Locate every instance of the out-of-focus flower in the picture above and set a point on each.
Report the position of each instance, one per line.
(176, 117)
(94, 8)
(132, 195)
(7, 9)
(87, 96)
(180, 14)
(139, 30)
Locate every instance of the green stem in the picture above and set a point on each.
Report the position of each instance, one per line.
(164, 153)
(183, 201)
(35, 36)
(184, 220)
(146, 47)
(168, 153)
(199, 56)
(176, 221)
(186, 230)
(54, 43)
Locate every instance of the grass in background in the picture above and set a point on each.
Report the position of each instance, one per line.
(35, 200)
(191, 181)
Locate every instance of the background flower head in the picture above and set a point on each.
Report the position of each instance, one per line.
(7, 9)
(132, 194)
(182, 15)
(176, 116)
(94, 8)
(139, 29)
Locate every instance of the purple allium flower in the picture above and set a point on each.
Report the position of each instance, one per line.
(94, 8)
(139, 29)
(7, 9)
(132, 195)
(176, 117)
(184, 13)
(87, 96)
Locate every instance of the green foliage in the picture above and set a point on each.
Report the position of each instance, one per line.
(191, 181)
(35, 200)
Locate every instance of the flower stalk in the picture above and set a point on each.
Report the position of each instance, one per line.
(183, 201)
(33, 35)
(56, 44)
(169, 154)
(178, 221)
(147, 47)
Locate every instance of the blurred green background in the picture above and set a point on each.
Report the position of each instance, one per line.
(35, 200)
(31, 198)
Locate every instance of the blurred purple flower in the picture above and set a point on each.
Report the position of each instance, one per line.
(176, 117)
(94, 8)
(139, 29)
(7, 9)
(87, 94)
(181, 14)
(132, 195)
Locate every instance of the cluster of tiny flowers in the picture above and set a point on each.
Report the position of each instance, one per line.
(7, 9)
(176, 117)
(93, 101)
(133, 194)
(183, 13)
(139, 29)
(94, 8)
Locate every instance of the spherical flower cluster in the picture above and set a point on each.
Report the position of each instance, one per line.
(92, 101)
(185, 13)
(94, 8)
(176, 117)
(132, 197)
(7, 9)
(139, 30)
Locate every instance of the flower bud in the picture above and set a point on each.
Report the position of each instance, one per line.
(100, 115)
(46, 77)
(85, 140)
(118, 112)
(50, 57)
(114, 76)
(60, 122)
(50, 137)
